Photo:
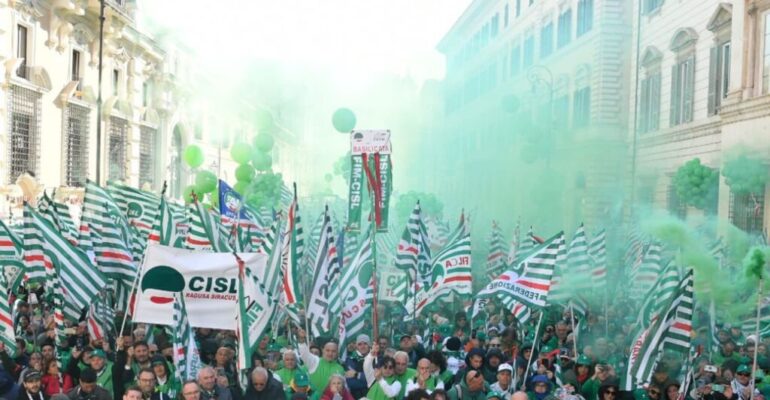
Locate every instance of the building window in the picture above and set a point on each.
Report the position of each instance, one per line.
(21, 50)
(649, 103)
(146, 94)
(682, 82)
(651, 5)
(75, 144)
(546, 40)
(495, 25)
(117, 150)
(766, 57)
(565, 28)
(529, 51)
(676, 207)
(515, 60)
(518, 8)
(147, 152)
(506, 15)
(719, 76)
(747, 212)
(75, 68)
(585, 15)
(582, 111)
(115, 81)
(24, 137)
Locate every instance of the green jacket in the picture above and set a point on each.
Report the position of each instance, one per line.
(403, 378)
(319, 379)
(376, 392)
(590, 389)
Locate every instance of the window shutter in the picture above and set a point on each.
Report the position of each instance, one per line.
(675, 95)
(654, 122)
(643, 108)
(689, 83)
(713, 81)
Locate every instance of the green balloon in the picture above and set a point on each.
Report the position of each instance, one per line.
(188, 194)
(193, 156)
(240, 152)
(344, 120)
(244, 173)
(205, 182)
(241, 187)
(261, 161)
(264, 142)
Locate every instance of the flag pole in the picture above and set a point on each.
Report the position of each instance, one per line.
(532, 352)
(375, 327)
(130, 295)
(756, 335)
(574, 331)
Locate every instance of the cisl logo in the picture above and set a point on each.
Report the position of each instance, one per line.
(162, 282)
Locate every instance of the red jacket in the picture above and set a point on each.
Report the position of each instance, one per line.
(51, 386)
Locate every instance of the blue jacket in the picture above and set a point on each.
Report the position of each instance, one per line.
(357, 385)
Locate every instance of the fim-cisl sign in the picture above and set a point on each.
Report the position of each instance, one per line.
(208, 282)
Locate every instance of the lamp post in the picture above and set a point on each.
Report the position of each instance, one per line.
(99, 97)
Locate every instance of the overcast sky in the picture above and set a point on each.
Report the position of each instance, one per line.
(357, 38)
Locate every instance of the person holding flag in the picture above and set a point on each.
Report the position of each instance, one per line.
(321, 368)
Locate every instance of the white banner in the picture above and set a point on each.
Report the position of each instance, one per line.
(370, 141)
(394, 285)
(209, 282)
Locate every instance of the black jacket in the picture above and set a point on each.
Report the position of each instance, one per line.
(23, 395)
(99, 393)
(273, 391)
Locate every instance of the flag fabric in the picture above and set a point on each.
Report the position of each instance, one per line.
(645, 274)
(290, 265)
(514, 248)
(671, 331)
(80, 280)
(520, 312)
(165, 227)
(97, 204)
(578, 261)
(451, 272)
(186, 357)
(113, 258)
(326, 272)
(256, 310)
(7, 333)
(11, 257)
(59, 216)
(357, 283)
(496, 257)
(140, 207)
(272, 277)
(659, 295)
(205, 234)
(532, 287)
(413, 251)
(597, 249)
(99, 319)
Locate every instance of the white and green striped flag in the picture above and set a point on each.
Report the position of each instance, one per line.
(290, 269)
(597, 249)
(7, 333)
(11, 257)
(186, 357)
(97, 204)
(80, 280)
(59, 216)
(205, 233)
(671, 331)
(140, 207)
(413, 251)
(579, 262)
(256, 310)
(113, 258)
(644, 275)
(659, 295)
(358, 292)
(164, 227)
(325, 273)
(496, 256)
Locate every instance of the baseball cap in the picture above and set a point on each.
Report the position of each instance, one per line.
(98, 353)
(505, 367)
(301, 379)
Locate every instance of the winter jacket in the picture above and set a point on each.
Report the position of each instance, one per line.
(272, 391)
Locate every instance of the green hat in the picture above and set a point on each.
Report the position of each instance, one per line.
(481, 336)
(479, 323)
(99, 353)
(546, 349)
(274, 347)
(743, 369)
(495, 395)
(526, 346)
(445, 330)
(584, 360)
(744, 360)
(301, 379)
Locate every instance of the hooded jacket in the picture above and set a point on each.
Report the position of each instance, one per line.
(460, 375)
(272, 391)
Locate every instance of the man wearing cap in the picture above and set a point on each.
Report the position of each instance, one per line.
(741, 384)
(354, 367)
(31, 389)
(300, 385)
(321, 368)
(110, 376)
(503, 385)
(424, 379)
(87, 389)
(165, 381)
(290, 368)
